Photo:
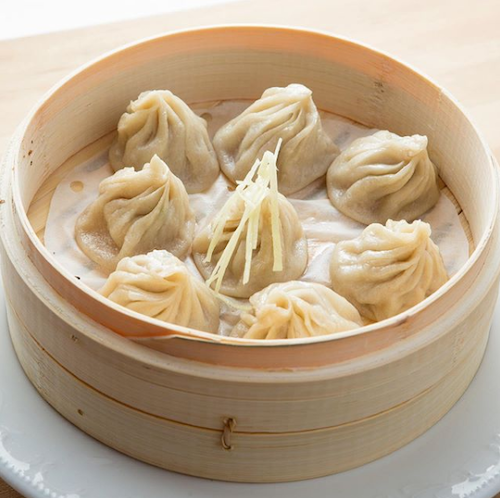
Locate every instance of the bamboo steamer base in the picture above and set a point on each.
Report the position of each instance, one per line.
(254, 457)
(234, 409)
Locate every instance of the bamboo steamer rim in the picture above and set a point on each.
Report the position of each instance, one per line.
(199, 336)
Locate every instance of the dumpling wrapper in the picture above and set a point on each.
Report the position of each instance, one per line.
(388, 269)
(290, 114)
(160, 123)
(160, 286)
(383, 176)
(294, 310)
(136, 212)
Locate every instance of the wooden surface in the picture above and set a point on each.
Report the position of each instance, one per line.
(455, 42)
(7, 492)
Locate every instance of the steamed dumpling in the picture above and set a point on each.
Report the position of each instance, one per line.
(288, 113)
(160, 123)
(294, 310)
(293, 243)
(255, 240)
(136, 212)
(383, 176)
(388, 269)
(160, 286)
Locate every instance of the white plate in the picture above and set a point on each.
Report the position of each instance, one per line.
(42, 455)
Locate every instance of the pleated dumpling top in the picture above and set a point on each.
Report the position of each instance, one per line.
(136, 212)
(160, 123)
(160, 286)
(294, 310)
(384, 176)
(281, 113)
(388, 269)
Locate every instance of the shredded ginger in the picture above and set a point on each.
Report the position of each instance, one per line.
(260, 183)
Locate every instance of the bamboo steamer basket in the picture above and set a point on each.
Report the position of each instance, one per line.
(235, 409)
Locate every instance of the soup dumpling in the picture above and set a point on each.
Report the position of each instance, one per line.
(160, 123)
(294, 310)
(256, 238)
(290, 114)
(136, 212)
(388, 269)
(160, 286)
(383, 176)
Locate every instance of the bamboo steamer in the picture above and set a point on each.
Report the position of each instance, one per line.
(234, 409)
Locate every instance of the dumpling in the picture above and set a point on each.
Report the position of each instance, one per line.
(160, 123)
(383, 176)
(296, 309)
(288, 113)
(136, 212)
(255, 240)
(159, 285)
(388, 269)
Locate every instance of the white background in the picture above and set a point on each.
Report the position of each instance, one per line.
(28, 17)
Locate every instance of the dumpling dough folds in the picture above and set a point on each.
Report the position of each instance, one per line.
(160, 286)
(136, 212)
(288, 113)
(383, 176)
(294, 310)
(388, 269)
(293, 244)
(160, 123)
